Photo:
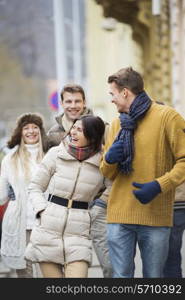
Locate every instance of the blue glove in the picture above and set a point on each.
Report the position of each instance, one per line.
(115, 153)
(147, 191)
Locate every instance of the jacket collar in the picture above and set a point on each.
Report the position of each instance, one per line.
(66, 124)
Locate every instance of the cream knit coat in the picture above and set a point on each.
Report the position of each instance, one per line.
(19, 214)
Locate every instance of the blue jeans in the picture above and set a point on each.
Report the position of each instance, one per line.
(153, 244)
(172, 267)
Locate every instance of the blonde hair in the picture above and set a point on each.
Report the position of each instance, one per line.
(20, 158)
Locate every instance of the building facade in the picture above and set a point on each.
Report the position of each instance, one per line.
(158, 27)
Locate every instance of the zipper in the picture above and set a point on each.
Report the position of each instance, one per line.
(79, 169)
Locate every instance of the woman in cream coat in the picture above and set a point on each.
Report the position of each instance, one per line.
(60, 240)
(28, 144)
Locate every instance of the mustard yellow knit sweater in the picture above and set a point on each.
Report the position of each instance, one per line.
(159, 155)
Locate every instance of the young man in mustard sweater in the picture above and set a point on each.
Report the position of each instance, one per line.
(145, 157)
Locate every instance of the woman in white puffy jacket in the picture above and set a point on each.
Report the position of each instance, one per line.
(70, 173)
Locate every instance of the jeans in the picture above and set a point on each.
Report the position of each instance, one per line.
(172, 267)
(99, 238)
(153, 244)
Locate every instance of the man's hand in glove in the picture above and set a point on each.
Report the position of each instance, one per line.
(115, 153)
(146, 191)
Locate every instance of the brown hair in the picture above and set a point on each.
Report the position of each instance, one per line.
(128, 78)
(72, 88)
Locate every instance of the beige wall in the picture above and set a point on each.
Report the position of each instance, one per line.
(107, 52)
(177, 13)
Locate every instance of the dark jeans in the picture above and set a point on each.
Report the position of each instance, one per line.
(173, 264)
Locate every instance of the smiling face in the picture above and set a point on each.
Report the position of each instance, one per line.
(30, 133)
(73, 105)
(119, 98)
(77, 137)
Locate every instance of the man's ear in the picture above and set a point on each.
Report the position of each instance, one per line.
(125, 92)
(84, 103)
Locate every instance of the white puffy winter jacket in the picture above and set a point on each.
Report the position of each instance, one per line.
(61, 234)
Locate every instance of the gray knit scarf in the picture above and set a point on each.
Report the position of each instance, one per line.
(138, 109)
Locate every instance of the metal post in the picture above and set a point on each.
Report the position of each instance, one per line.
(156, 7)
(76, 41)
(60, 42)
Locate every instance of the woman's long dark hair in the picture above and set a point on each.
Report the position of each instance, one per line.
(93, 130)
